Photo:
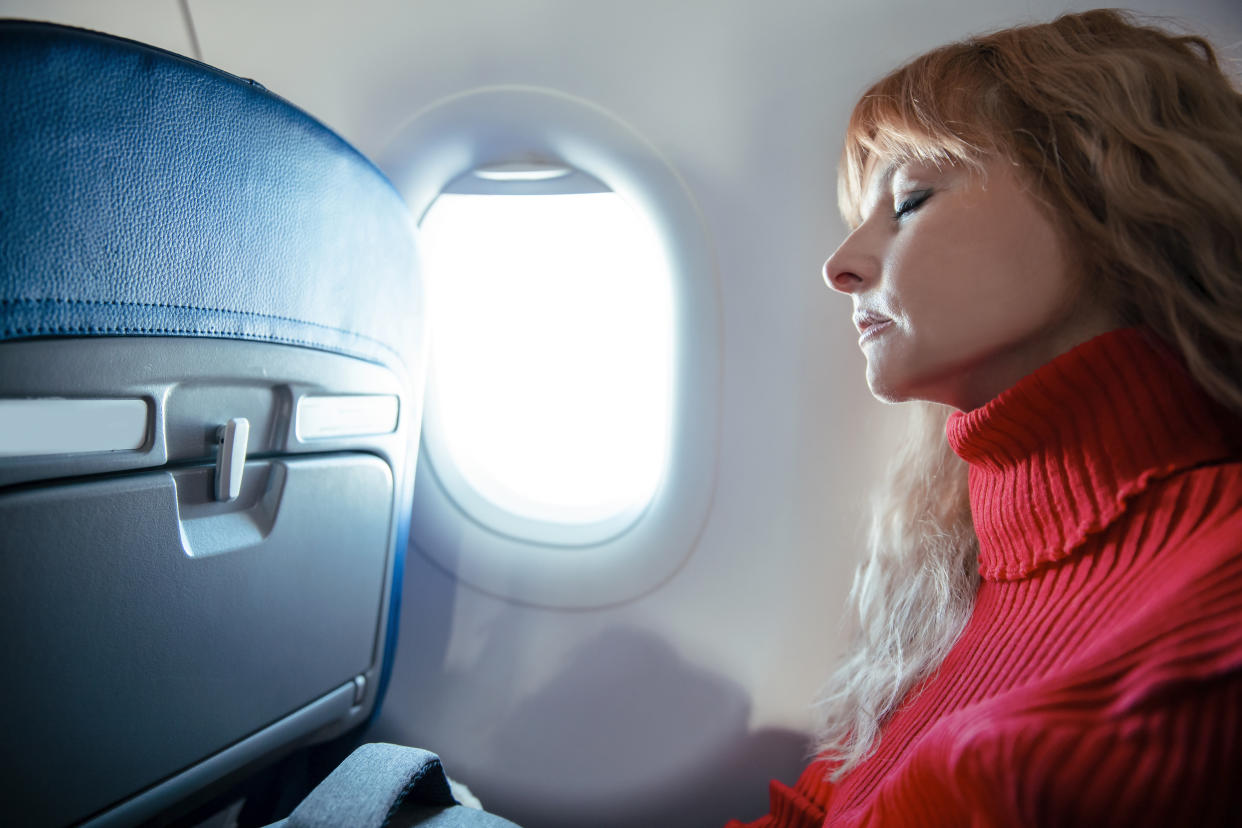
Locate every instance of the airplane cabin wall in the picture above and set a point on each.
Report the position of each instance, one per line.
(674, 708)
(157, 22)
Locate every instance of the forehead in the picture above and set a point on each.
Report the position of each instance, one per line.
(878, 179)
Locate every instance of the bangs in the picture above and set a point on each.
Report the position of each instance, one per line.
(932, 110)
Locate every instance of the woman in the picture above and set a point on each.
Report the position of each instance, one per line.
(1046, 237)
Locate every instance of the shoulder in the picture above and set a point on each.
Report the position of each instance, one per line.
(1187, 562)
(1074, 756)
(1141, 724)
(1181, 622)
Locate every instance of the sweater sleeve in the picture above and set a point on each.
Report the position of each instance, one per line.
(802, 806)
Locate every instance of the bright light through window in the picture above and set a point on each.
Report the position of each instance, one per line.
(552, 353)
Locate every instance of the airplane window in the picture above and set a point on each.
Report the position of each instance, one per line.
(572, 421)
(551, 323)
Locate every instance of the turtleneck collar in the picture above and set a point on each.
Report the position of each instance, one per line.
(1056, 457)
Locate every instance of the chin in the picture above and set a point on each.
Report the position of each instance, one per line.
(899, 389)
(885, 392)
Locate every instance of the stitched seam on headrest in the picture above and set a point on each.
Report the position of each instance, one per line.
(218, 333)
(171, 306)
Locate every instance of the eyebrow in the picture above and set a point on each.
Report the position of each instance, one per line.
(886, 174)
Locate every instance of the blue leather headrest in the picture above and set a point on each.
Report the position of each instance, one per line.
(143, 193)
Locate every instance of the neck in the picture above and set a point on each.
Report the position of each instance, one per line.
(979, 384)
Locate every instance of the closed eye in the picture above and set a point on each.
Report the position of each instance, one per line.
(911, 203)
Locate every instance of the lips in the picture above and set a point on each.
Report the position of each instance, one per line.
(870, 324)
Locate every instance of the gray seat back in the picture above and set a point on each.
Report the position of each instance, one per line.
(184, 256)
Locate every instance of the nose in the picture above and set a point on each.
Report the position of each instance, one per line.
(851, 268)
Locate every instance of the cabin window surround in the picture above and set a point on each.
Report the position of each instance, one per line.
(432, 152)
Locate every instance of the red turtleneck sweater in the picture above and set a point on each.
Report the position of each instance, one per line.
(1099, 679)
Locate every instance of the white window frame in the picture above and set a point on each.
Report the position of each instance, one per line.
(452, 137)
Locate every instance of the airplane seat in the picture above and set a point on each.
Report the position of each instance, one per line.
(211, 372)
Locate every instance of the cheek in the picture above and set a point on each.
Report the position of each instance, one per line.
(1030, 279)
(1003, 273)
(935, 281)
(1028, 255)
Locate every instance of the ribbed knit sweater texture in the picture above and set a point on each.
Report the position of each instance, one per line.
(1099, 679)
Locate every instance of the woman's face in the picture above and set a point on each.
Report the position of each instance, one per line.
(961, 286)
